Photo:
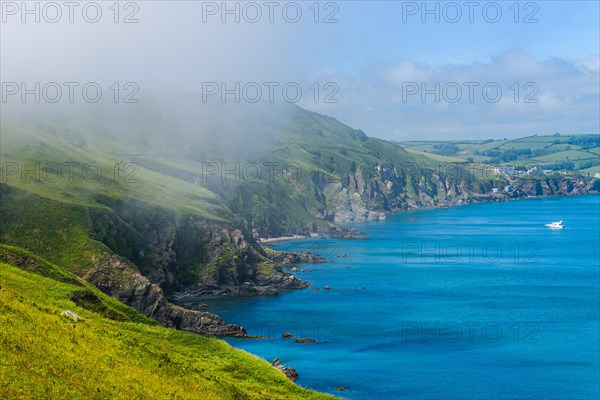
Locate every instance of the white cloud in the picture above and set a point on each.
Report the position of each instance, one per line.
(567, 94)
(591, 64)
(406, 71)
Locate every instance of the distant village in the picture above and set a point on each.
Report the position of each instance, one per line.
(533, 171)
(536, 170)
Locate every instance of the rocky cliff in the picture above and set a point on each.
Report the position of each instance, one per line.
(184, 256)
(389, 189)
(118, 278)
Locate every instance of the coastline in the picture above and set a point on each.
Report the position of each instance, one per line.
(283, 347)
(471, 201)
(474, 201)
(286, 238)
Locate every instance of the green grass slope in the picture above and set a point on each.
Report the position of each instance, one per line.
(46, 355)
(86, 296)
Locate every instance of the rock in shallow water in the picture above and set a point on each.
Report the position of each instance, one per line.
(305, 340)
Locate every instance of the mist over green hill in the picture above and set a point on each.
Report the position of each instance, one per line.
(137, 207)
(223, 162)
(170, 196)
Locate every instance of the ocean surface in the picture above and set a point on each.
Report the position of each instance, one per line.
(471, 302)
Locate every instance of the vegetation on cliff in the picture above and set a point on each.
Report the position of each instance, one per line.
(111, 351)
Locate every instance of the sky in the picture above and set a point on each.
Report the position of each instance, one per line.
(398, 70)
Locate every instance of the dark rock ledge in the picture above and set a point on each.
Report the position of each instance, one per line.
(117, 278)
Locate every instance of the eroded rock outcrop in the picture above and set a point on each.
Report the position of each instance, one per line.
(393, 189)
(290, 372)
(118, 278)
(189, 256)
(291, 258)
(264, 284)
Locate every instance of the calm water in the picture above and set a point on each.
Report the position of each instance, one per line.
(472, 302)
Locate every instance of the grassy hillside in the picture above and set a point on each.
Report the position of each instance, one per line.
(86, 296)
(559, 152)
(46, 355)
(175, 152)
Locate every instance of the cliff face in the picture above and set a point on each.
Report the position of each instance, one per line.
(188, 256)
(370, 194)
(142, 254)
(118, 278)
(389, 189)
(553, 186)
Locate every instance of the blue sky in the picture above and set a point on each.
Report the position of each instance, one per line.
(374, 31)
(374, 55)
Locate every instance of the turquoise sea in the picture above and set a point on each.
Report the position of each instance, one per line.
(471, 302)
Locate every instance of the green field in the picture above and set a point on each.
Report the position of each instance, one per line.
(574, 152)
(436, 157)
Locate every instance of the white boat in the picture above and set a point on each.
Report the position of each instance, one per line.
(555, 225)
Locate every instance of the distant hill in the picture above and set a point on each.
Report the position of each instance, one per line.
(555, 152)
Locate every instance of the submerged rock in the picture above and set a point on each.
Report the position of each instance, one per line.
(305, 340)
